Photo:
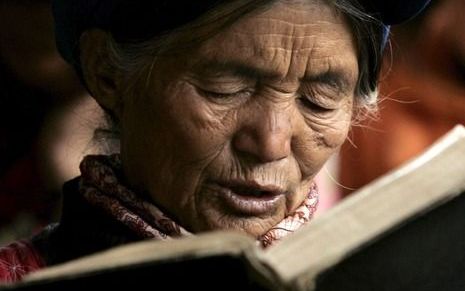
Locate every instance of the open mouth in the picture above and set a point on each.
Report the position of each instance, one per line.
(250, 198)
(253, 191)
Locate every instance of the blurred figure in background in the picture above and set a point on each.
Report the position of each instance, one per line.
(43, 113)
(423, 91)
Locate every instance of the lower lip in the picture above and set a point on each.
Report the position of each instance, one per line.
(248, 205)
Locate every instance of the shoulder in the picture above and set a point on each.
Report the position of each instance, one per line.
(18, 259)
(83, 229)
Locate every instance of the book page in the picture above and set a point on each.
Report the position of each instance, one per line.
(211, 244)
(435, 177)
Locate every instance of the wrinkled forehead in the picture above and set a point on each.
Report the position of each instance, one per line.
(281, 24)
(287, 39)
(134, 18)
(307, 23)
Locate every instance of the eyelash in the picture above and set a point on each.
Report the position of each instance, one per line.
(313, 106)
(305, 100)
(217, 95)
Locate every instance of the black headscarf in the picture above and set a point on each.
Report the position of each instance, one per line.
(142, 19)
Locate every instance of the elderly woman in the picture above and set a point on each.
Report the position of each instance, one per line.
(225, 113)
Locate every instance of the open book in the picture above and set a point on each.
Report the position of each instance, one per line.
(405, 231)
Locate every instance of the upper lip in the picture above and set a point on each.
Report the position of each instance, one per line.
(252, 187)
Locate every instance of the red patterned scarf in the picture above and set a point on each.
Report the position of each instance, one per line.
(100, 185)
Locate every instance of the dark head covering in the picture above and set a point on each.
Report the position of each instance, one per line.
(142, 19)
(392, 12)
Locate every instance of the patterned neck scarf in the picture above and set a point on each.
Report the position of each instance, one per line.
(100, 185)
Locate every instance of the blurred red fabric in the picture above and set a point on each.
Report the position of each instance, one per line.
(17, 260)
(422, 94)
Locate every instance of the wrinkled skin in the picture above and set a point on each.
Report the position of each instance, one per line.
(266, 101)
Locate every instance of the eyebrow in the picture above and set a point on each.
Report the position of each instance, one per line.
(233, 68)
(336, 78)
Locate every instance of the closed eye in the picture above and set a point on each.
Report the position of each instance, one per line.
(313, 106)
(225, 95)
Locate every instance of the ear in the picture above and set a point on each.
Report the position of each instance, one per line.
(101, 78)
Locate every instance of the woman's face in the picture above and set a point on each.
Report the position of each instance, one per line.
(230, 135)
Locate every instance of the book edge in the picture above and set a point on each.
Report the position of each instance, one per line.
(454, 137)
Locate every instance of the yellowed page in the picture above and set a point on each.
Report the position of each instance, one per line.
(434, 177)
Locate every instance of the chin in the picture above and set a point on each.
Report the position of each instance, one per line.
(253, 226)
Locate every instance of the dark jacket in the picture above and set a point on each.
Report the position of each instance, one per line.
(82, 230)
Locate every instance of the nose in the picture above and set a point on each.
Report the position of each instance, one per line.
(265, 134)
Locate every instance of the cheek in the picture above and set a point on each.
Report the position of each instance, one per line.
(168, 141)
(196, 123)
(320, 138)
(331, 131)
(335, 133)
(172, 135)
